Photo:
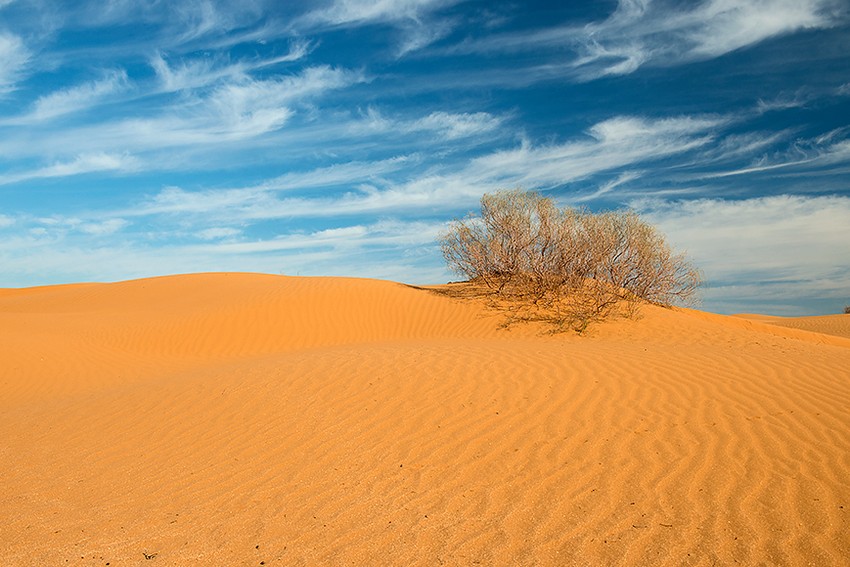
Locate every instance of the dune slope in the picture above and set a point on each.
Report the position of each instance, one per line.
(838, 325)
(241, 419)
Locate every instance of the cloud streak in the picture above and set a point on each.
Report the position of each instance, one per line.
(82, 164)
(789, 243)
(650, 33)
(195, 73)
(230, 112)
(76, 98)
(14, 57)
(607, 146)
(415, 19)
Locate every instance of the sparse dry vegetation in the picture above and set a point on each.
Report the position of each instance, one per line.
(570, 266)
(847, 309)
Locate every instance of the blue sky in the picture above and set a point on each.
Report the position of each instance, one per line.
(339, 137)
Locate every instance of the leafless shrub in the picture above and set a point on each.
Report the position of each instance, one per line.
(578, 266)
(847, 309)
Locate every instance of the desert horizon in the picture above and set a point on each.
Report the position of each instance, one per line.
(252, 419)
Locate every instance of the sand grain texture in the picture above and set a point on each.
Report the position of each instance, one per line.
(234, 419)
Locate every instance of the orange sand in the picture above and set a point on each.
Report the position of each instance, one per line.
(838, 325)
(237, 419)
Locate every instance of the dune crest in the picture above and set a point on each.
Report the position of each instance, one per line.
(246, 419)
(836, 325)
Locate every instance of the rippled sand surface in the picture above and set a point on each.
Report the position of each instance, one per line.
(242, 419)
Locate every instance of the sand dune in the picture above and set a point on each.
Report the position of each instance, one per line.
(837, 325)
(239, 419)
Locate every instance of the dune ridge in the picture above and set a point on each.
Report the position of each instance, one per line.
(242, 418)
(836, 325)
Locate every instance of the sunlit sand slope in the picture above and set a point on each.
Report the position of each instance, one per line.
(838, 325)
(237, 419)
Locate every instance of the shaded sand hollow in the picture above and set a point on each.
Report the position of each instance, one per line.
(237, 419)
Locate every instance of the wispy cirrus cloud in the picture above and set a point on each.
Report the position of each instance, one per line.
(81, 164)
(232, 111)
(14, 57)
(337, 174)
(77, 98)
(607, 187)
(58, 226)
(415, 19)
(218, 233)
(359, 12)
(181, 22)
(827, 149)
(457, 125)
(607, 146)
(784, 101)
(651, 33)
(77, 249)
(191, 74)
(721, 26)
(382, 233)
(610, 144)
(771, 250)
(199, 72)
(449, 125)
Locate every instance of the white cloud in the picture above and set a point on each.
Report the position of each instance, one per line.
(343, 12)
(235, 101)
(827, 149)
(347, 173)
(736, 146)
(784, 102)
(110, 226)
(82, 163)
(198, 72)
(73, 99)
(793, 247)
(251, 94)
(643, 32)
(183, 22)
(385, 249)
(415, 20)
(176, 200)
(56, 228)
(622, 179)
(617, 142)
(247, 108)
(720, 26)
(256, 203)
(218, 233)
(201, 17)
(609, 145)
(452, 126)
(191, 74)
(86, 163)
(14, 57)
(448, 125)
(416, 35)
(234, 111)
